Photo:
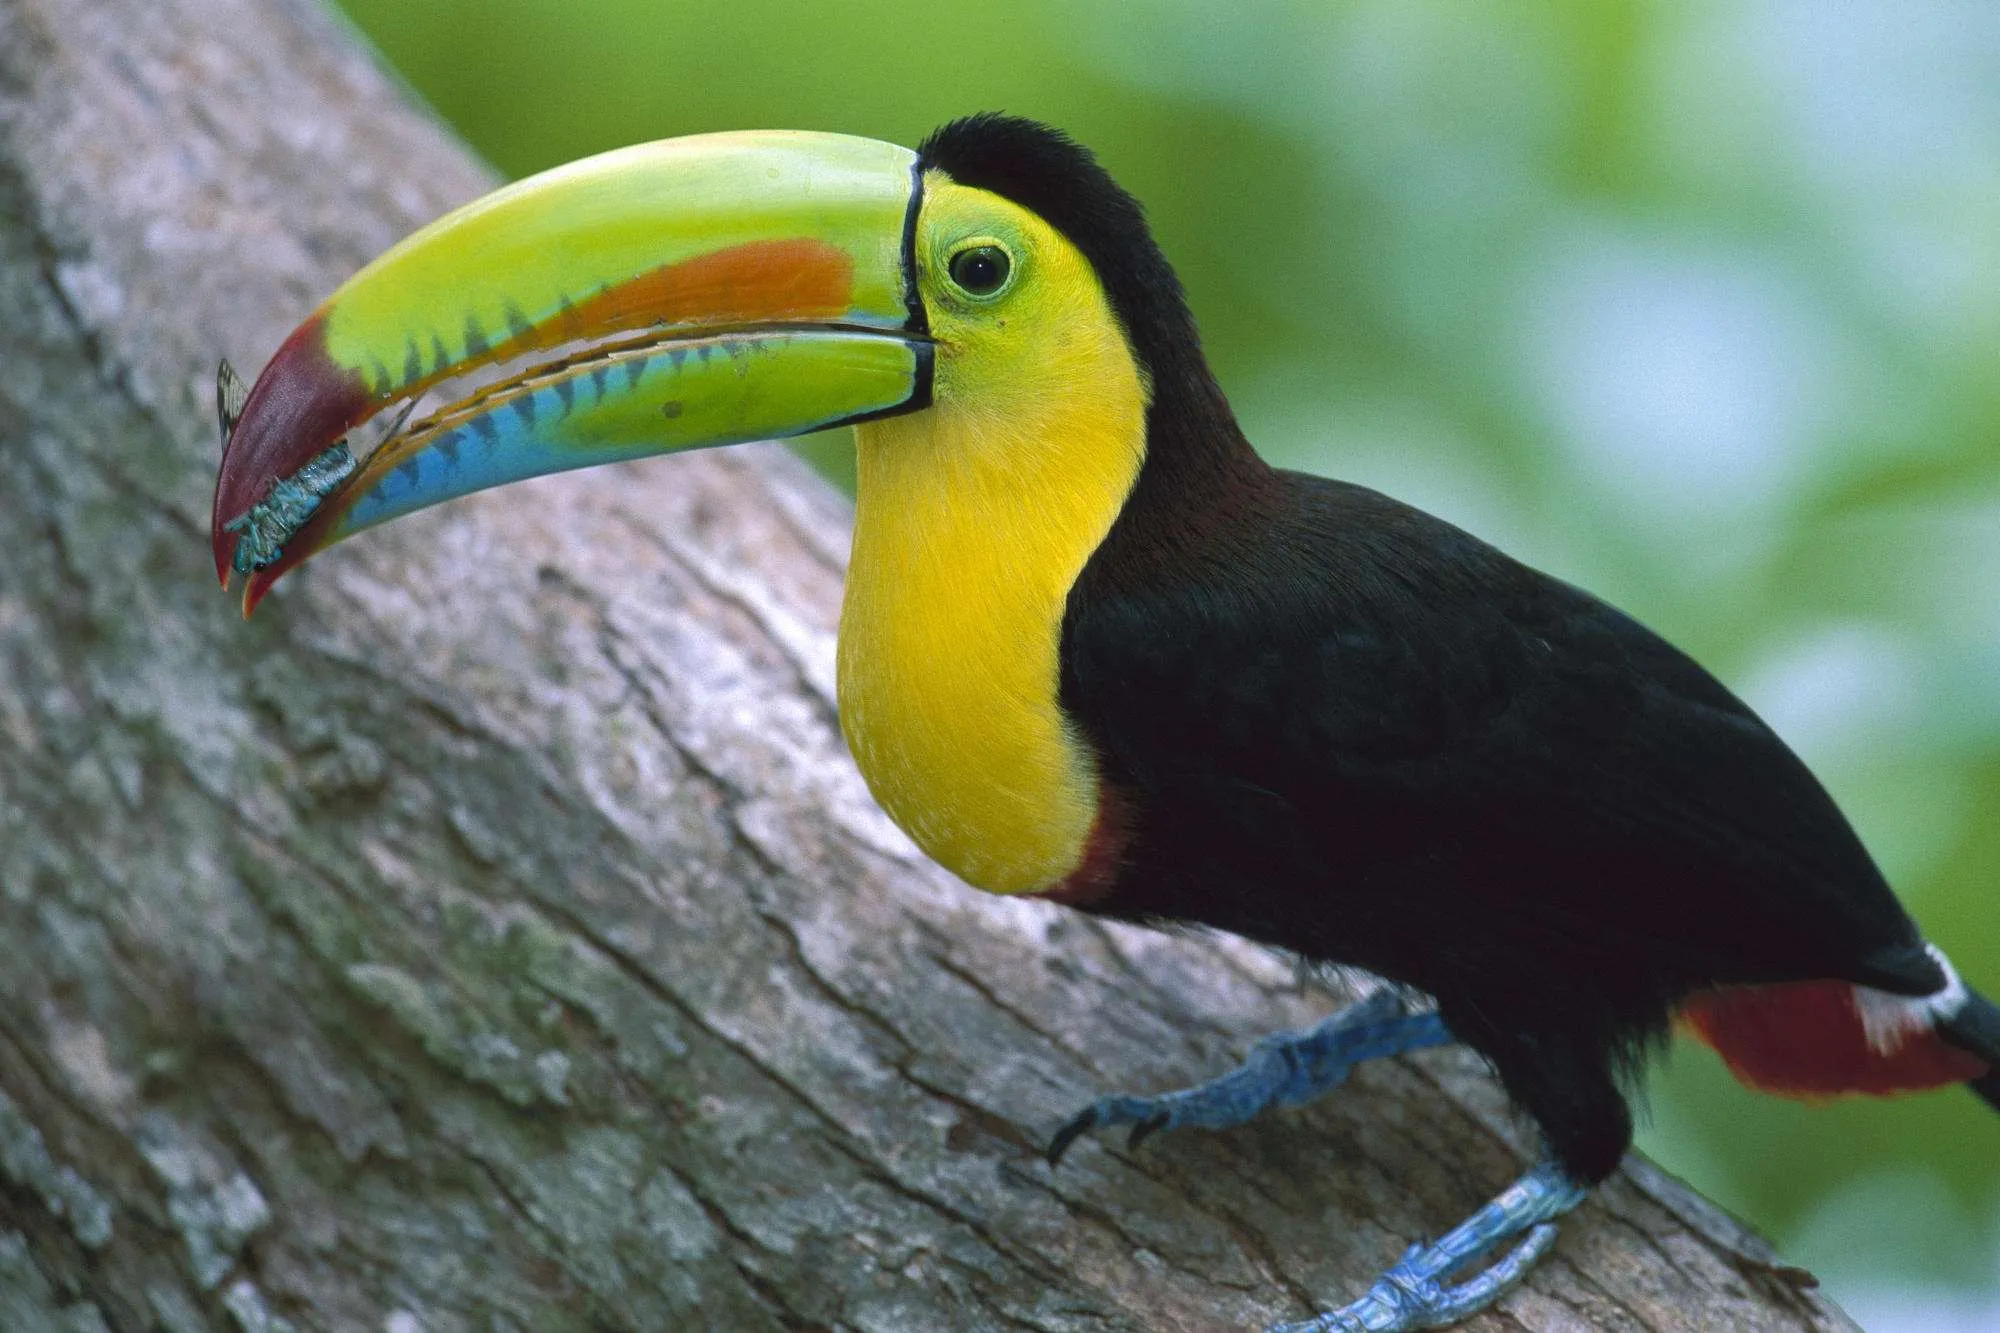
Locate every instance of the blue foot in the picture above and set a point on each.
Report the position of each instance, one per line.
(1413, 1294)
(1281, 1071)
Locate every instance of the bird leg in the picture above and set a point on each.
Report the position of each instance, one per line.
(1283, 1070)
(1413, 1294)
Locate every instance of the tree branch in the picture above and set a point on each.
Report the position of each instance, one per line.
(494, 934)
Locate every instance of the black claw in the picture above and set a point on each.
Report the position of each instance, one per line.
(1146, 1128)
(1079, 1126)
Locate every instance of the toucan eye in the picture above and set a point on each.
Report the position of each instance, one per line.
(980, 270)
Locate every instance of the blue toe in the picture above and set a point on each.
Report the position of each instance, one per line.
(1414, 1295)
(1281, 1071)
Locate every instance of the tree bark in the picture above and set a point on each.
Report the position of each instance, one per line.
(494, 935)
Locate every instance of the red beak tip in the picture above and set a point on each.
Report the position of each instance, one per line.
(258, 584)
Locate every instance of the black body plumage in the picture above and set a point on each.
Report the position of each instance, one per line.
(1354, 731)
(1349, 729)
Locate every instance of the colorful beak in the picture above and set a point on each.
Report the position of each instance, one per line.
(656, 299)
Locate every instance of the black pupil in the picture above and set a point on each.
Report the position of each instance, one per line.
(980, 270)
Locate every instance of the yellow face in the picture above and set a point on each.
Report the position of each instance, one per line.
(1006, 349)
(972, 521)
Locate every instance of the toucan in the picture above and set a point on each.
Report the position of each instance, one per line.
(1093, 648)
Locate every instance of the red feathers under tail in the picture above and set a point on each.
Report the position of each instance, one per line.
(1826, 1038)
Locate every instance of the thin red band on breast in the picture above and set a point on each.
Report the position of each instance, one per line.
(1103, 853)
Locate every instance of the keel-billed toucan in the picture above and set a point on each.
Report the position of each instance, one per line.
(1093, 648)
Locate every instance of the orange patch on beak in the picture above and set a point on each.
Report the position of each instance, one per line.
(759, 282)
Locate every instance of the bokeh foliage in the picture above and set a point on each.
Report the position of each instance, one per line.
(1697, 305)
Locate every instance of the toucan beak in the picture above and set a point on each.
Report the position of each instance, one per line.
(666, 297)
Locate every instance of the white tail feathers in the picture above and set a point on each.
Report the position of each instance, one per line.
(1891, 1020)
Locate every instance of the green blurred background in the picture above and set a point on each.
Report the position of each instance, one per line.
(1697, 305)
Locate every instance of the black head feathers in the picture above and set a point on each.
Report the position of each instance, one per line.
(1058, 179)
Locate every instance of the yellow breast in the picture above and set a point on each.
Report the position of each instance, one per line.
(972, 521)
(949, 642)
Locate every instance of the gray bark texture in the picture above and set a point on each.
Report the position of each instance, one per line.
(494, 935)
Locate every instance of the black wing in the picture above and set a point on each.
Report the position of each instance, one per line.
(1355, 730)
